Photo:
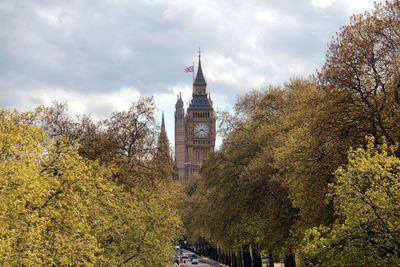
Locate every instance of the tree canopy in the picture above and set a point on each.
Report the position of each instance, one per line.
(98, 200)
(295, 172)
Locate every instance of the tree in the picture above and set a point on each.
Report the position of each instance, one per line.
(354, 95)
(366, 196)
(126, 142)
(59, 208)
(361, 82)
(45, 194)
(363, 64)
(282, 146)
(260, 215)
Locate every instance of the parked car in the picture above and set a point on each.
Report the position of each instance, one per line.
(195, 261)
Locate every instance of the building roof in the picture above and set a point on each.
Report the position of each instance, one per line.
(199, 76)
(200, 102)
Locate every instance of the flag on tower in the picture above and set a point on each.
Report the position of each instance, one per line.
(189, 69)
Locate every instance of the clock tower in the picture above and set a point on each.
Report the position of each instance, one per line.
(198, 127)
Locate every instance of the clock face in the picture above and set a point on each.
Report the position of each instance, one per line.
(201, 130)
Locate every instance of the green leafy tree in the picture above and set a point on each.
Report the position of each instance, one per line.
(260, 214)
(46, 190)
(60, 208)
(366, 197)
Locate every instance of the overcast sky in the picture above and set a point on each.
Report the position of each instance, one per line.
(100, 55)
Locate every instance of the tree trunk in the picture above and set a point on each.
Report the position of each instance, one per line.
(270, 260)
(220, 255)
(256, 258)
(227, 259)
(201, 247)
(234, 260)
(246, 256)
(289, 260)
(239, 257)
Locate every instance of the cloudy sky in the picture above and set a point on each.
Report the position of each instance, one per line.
(99, 55)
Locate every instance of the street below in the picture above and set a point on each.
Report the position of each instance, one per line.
(202, 261)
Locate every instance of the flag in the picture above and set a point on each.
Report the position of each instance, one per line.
(189, 69)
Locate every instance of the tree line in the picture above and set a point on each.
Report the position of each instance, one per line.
(310, 171)
(75, 191)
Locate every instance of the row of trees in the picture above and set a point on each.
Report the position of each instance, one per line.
(285, 180)
(74, 191)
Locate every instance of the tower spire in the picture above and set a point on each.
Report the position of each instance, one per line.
(163, 142)
(200, 77)
(163, 124)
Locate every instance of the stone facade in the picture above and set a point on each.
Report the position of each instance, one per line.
(195, 130)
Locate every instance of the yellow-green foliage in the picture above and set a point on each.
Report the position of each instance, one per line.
(58, 208)
(367, 200)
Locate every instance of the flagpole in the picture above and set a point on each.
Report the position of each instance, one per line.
(193, 71)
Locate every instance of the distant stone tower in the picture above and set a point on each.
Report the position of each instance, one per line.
(195, 131)
(180, 137)
(163, 142)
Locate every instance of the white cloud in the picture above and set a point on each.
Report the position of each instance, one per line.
(267, 16)
(358, 6)
(99, 105)
(50, 15)
(125, 52)
(322, 3)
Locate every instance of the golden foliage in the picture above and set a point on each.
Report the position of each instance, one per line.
(59, 208)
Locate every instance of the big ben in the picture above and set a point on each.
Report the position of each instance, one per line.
(195, 130)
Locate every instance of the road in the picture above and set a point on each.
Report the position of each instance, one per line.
(206, 262)
(203, 261)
